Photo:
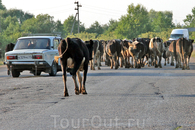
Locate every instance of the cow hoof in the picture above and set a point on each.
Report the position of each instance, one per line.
(99, 68)
(8, 72)
(77, 92)
(172, 64)
(66, 94)
(83, 92)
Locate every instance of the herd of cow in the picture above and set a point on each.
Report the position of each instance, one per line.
(142, 51)
(75, 55)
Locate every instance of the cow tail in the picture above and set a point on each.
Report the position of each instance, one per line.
(60, 56)
(181, 44)
(174, 50)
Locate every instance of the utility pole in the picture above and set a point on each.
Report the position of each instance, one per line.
(77, 12)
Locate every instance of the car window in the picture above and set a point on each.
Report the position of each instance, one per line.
(33, 43)
(56, 43)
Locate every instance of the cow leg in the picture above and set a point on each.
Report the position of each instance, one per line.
(90, 62)
(117, 62)
(155, 62)
(98, 60)
(182, 57)
(63, 67)
(83, 89)
(80, 80)
(159, 62)
(111, 63)
(76, 85)
(165, 62)
(128, 62)
(115, 59)
(93, 66)
(172, 61)
(8, 69)
(178, 61)
(187, 62)
(121, 62)
(139, 63)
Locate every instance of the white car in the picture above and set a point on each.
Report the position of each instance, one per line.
(34, 53)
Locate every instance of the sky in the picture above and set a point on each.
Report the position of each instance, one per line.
(99, 10)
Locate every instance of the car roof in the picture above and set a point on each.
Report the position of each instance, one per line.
(50, 37)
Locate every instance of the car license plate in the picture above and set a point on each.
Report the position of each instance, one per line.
(23, 57)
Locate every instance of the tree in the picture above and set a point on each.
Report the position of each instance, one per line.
(135, 22)
(68, 26)
(190, 19)
(21, 15)
(190, 22)
(2, 7)
(112, 25)
(95, 28)
(43, 23)
(161, 21)
(59, 28)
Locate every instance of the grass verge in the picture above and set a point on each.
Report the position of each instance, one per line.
(1, 61)
(193, 54)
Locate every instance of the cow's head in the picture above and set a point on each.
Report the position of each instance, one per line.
(89, 45)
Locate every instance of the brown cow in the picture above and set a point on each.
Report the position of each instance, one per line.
(184, 47)
(113, 49)
(167, 54)
(137, 50)
(74, 57)
(125, 53)
(146, 42)
(156, 47)
(170, 52)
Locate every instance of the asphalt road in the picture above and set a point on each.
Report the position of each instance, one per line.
(147, 98)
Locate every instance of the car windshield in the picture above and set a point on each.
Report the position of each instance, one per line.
(176, 36)
(33, 43)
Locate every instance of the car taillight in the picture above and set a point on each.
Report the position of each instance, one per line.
(11, 57)
(37, 57)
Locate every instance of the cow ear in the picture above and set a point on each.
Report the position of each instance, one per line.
(91, 43)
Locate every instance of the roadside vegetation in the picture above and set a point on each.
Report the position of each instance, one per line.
(137, 22)
(1, 61)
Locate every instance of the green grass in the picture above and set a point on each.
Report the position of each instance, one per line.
(193, 54)
(1, 61)
(178, 128)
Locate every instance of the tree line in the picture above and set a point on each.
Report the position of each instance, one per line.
(137, 22)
